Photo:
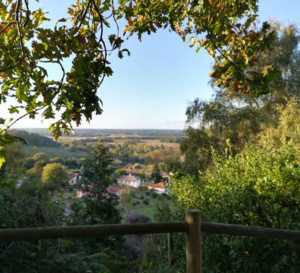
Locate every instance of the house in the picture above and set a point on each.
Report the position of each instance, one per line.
(130, 180)
(132, 172)
(80, 193)
(158, 187)
(166, 177)
(114, 190)
(73, 178)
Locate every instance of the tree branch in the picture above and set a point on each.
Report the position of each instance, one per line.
(38, 109)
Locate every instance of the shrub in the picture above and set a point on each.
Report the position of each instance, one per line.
(134, 204)
(154, 195)
(138, 202)
(143, 188)
(142, 197)
(259, 187)
(160, 198)
(146, 201)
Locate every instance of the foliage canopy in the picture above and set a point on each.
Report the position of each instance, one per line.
(82, 37)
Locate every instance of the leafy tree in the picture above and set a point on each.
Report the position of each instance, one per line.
(126, 194)
(120, 172)
(28, 162)
(197, 150)
(155, 174)
(240, 117)
(37, 169)
(21, 209)
(99, 207)
(142, 174)
(56, 160)
(55, 176)
(41, 156)
(33, 186)
(259, 187)
(71, 163)
(26, 45)
(172, 164)
(15, 158)
(287, 128)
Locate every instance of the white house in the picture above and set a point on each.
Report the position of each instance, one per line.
(130, 180)
(73, 178)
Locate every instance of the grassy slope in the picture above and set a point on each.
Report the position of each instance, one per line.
(148, 210)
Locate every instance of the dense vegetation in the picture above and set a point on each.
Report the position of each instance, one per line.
(242, 167)
(239, 164)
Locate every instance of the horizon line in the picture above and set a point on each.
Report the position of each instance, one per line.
(101, 128)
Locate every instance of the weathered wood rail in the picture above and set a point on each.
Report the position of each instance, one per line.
(192, 227)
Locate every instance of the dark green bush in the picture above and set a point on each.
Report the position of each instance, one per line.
(154, 195)
(146, 201)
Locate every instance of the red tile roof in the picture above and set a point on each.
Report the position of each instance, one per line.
(164, 174)
(113, 190)
(127, 178)
(159, 185)
(134, 172)
(72, 175)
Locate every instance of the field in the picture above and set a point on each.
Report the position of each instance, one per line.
(136, 203)
(55, 151)
(153, 142)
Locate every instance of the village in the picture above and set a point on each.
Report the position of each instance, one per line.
(133, 192)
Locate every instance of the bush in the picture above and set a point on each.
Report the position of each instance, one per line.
(160, 198)
(142, 197)
(154, 195)
(259, 187)
(138, 202)
(147, 193)
(146, 201)
(134, 204)
(143, 188)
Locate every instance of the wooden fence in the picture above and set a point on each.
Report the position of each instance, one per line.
(192, 227)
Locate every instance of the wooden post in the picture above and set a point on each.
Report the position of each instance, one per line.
(193, 242)
(170, 246)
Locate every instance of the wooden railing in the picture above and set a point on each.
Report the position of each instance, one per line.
(192, 227)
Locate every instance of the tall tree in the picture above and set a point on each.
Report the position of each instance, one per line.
(240, 117)
(99, 206)
(155, 174)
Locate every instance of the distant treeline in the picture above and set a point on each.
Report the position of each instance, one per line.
(108, 132)
(35, 139)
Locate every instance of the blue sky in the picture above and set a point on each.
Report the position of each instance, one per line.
(152, 87)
